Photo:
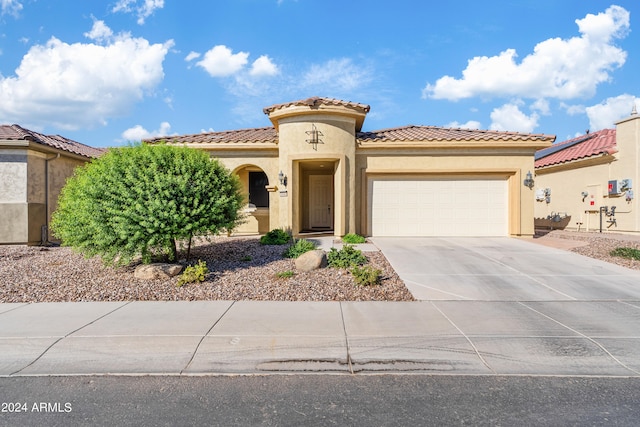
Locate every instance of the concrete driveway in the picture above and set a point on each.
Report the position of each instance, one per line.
(504, 269)
(526, 308)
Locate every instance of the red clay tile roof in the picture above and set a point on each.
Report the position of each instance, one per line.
(433, 133)
(267, 135)
(316, 101)
(582, 147)
(18, 133)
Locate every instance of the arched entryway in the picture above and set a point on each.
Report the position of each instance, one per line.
(254, 186)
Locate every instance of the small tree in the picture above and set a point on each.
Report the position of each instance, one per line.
(140, 200)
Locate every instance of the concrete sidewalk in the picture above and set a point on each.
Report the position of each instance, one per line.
(248, 337)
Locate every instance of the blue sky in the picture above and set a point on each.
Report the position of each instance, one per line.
(106, 72)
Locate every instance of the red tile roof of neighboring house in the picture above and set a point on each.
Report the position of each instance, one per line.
(581, 147)
(243, 136)
(433, 133)
(18, 133)
(317, 101)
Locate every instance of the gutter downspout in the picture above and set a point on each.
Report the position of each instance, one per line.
(45, 228)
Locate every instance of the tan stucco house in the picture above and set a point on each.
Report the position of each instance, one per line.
(588, 183)
(316, 171)
(33, 170)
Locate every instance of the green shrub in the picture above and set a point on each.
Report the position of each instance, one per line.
(366, 276)
(346, 257)
(285, 274)
(193, 273)
(299, 247)
(246, 258)
(629, 253)
(140, 200)
(353, 238)
(275, 237)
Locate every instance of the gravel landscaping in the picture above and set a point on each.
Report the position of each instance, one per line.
(599, 245)
(239, 269)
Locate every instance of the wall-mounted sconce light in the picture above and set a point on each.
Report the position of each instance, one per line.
(283, 179)
(314, 137)
(528, 181)
(584, 194)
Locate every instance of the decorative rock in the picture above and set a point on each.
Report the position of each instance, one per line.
(311, 260)
(157, 271)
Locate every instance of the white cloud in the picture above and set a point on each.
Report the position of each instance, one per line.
(336, 74)
(138, 133)
(573, 110)
(541, 106)
(99, 32)
(510, 118)
(192, 55)
(220, 61)
(471, 124)
(142, 9)
(557, 68)
(605, 114)
(10, 7)
(263, 66)
(80, 85)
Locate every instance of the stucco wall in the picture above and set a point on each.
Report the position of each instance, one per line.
(14, 209)
(337, 136)
(28, 195)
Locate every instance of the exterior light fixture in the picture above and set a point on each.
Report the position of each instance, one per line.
(314, 137)
(283, 179)
(528, 181)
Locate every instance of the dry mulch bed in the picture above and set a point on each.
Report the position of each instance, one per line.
(55, 274)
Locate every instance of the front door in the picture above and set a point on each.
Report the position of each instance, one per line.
(321, 202)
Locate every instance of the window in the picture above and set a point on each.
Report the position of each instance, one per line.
(258, 194)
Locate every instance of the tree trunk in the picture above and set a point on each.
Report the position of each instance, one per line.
(173, 250)
(189, 248)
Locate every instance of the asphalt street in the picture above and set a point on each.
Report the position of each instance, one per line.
(321, 400)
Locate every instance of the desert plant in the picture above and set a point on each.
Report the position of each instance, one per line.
(193, 273)
(285, 274)
(629, 253)
(139, 200)
(246, 258)
(299, 247)
(353, 238)
(366, 275)
(276, 236)
(346, 257)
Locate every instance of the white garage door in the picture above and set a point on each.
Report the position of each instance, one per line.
(438, 207)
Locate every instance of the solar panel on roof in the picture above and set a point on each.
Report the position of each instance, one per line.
(559, 147)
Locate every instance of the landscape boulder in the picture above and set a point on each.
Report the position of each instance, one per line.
(157, 271)
(311, 260)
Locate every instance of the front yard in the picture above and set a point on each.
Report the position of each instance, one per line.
(239, 269)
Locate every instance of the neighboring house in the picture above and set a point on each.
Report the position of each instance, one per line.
(589, 183)
(33, 170)
(316, 171)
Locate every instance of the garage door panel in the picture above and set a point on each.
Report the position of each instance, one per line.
(438, 207)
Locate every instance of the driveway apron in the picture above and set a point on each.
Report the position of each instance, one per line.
(524, 307)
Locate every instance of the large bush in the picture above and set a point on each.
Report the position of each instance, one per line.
(141, 200)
